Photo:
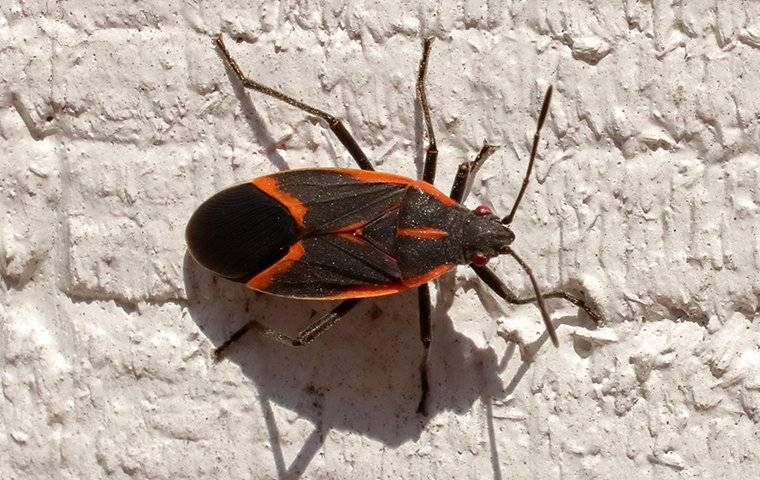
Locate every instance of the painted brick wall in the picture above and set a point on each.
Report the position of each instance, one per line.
(118, 118)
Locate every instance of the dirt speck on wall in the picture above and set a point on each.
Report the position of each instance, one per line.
(118, 118)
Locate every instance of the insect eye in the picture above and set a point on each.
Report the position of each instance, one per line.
(479, 259)
(482, 210)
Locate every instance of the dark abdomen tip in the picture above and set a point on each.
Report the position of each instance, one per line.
(239, 232)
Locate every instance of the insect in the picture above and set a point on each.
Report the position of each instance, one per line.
(348, 234)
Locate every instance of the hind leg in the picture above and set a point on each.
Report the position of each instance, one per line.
(304, 337)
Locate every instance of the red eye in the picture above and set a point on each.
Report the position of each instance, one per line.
(479, 259)
(482, 210)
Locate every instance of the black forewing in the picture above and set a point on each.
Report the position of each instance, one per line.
(381, 232)
(334, 200)
(333, 264)
(239, 232)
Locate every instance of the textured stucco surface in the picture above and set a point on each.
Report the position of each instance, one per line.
(118, 118)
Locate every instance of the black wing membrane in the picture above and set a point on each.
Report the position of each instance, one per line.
(239, 232)
(334, 200)
(333, 265)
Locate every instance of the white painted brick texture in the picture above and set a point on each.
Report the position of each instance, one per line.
(118, 118)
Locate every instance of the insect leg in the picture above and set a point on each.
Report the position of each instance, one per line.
(304, 337)
(335, 125)
(467, 171)
(572, 299)
(423, 293)
(431, 154)
(495, 284)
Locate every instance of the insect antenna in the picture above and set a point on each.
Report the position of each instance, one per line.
(541, 117)
(539, 298)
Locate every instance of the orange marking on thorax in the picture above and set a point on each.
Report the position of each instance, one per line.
(264, 278)
(271, 187)
(423, 232)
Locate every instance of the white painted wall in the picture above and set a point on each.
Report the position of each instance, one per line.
(118, 119)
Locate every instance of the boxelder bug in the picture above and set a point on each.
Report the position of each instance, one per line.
(348, 234)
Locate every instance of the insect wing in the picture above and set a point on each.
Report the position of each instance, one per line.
(240, 231)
